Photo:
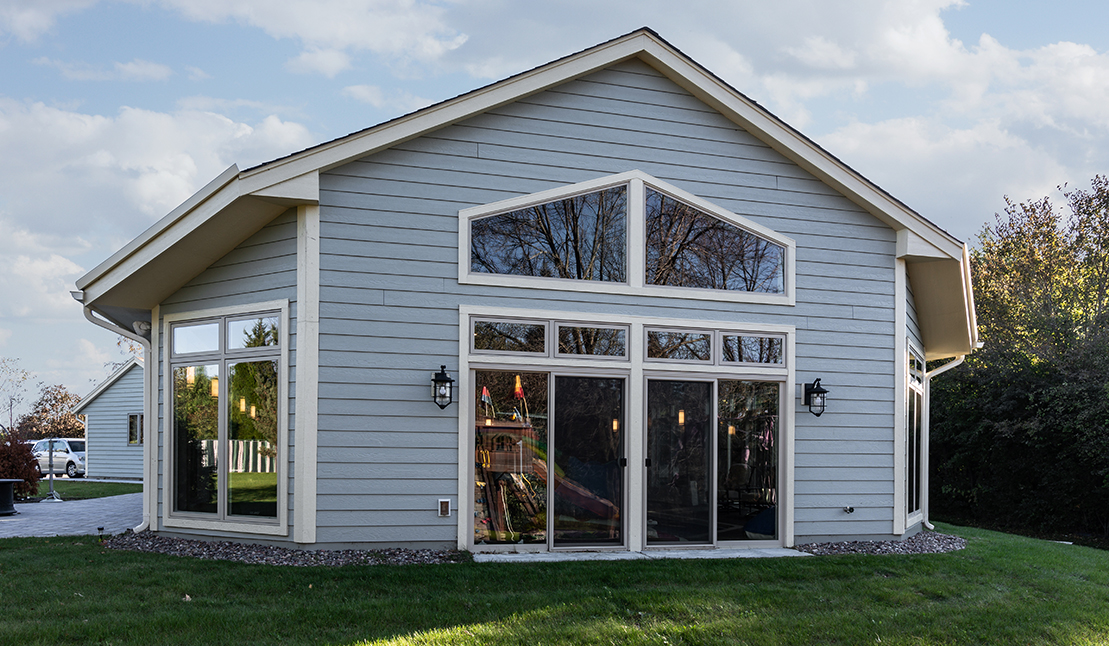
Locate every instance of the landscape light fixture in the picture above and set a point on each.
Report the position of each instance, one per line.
(816, 396)
(442, 387)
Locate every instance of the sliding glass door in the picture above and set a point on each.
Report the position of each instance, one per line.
(679, 470)
(747, 460)
(588, 461)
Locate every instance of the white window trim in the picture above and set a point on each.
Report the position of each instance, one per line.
(186, 520)
(636, 240)
(637, 371)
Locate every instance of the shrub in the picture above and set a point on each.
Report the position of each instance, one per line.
(17, 461)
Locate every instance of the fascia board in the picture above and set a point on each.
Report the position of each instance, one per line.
(794, 146)
(210, 189)
(333, 154)
(106, 384)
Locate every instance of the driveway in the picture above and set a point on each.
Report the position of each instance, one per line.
(74, 517)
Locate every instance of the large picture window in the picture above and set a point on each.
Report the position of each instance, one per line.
(225, 399)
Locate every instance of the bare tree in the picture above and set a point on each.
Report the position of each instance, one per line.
(13, 381)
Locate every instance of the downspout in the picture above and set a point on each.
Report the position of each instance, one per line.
(146, 351)
(928, 425)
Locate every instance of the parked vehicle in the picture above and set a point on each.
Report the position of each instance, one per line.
(69, 456)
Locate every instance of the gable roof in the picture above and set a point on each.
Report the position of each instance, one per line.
(238, 203)
(108, 383)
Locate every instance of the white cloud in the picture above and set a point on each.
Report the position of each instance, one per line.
(140, 70)
(5, 334)
(36, 281)
(328, 62)
(397, 100)
(29, 19)
(956, 177)
(94, 178)
(136, 70)
(402, 30)
(197, 74)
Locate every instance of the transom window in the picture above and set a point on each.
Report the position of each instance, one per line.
(625, 232)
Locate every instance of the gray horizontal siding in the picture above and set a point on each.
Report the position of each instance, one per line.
(261, 268)
(108, 454)
(390, 297)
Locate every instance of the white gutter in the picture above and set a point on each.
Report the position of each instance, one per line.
(927, 408)
(146, 399)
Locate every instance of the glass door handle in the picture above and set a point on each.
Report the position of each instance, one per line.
(623, 462)
(647, 462)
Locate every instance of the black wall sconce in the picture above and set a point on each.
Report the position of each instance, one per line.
(816, 396)
(442, 388)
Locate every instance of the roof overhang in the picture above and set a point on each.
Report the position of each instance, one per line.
(237, 204)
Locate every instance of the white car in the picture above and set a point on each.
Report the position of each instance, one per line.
(69, 456)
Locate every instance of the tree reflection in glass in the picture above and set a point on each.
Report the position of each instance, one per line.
(689, 248)
(751, 349)
(196, 433)
(510, 457)
(596, 341)
(747, 467)
(680, 346)
(252, 439)
(510, 336)
(580, 238)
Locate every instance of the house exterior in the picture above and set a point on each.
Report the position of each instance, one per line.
(629, 270)
(114, 421)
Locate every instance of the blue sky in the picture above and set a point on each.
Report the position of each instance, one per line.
(113, 112)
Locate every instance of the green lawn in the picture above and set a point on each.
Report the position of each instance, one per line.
(1002, 589)
(81, 489)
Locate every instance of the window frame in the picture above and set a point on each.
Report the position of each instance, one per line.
(223, 520)
(914, 388)
(635, 253)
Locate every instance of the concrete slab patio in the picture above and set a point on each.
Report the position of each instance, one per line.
(559, 557)
(74, 517)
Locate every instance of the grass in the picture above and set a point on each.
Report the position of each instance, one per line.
(1002, 589)
(80, 489)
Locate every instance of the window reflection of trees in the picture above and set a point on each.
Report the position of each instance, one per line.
(688, 248)
(196, 428)
(508, 336)
(686, 346)
(597, 341)
(581, 238)
(752, 349)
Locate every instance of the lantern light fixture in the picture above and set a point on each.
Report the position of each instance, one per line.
(816, 397)
(442, 388)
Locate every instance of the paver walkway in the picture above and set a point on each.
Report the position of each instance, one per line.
(115, 514)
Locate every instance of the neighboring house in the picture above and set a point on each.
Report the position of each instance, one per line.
(114, 433)
(631, 272)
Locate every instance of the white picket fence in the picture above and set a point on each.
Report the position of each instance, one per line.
(247, 456)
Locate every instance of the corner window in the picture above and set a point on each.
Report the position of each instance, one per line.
(225, 394)
(134, 429)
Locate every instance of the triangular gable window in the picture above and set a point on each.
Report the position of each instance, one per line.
(627, 233)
